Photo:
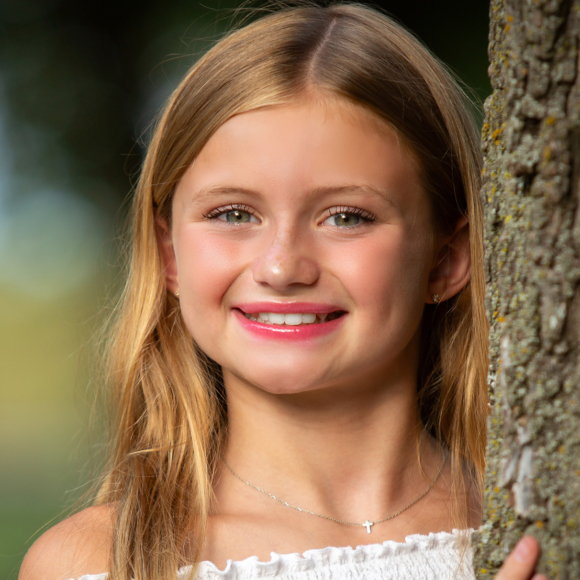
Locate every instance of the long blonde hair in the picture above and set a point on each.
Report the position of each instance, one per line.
(171, 416)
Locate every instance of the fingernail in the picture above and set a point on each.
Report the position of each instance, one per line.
(523, 550)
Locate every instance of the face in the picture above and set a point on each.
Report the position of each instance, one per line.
(303, 249)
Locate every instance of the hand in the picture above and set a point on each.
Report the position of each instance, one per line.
(521, 563)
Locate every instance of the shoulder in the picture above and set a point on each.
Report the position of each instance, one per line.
(77, 546)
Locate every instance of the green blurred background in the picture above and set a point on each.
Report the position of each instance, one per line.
(80, 82)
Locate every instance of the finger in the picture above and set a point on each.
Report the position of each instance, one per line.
(521, 562)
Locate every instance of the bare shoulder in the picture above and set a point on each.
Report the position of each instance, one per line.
(77, 546)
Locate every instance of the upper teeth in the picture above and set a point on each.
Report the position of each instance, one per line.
(289, 319)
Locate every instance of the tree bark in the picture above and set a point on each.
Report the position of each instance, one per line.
(531, 188)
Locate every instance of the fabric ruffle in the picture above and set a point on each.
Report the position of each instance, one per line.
(433, 557)
(437, 556)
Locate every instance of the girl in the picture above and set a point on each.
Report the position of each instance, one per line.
(300, 358)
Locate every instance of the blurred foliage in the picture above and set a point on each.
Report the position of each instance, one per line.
(80, 83)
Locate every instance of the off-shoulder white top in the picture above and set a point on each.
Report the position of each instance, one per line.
(438, 556)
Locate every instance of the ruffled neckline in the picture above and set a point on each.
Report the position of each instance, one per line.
(332, 556)
(447, 544)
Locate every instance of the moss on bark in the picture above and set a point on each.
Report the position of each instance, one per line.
(531, 143)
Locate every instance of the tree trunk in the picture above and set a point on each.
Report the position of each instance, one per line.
(531, 143)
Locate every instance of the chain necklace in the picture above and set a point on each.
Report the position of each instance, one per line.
(367, 524)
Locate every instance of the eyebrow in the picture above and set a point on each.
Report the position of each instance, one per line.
(217, 191)
(222, 190)
(353, 188)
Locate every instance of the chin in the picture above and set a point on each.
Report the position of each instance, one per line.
(281, 382)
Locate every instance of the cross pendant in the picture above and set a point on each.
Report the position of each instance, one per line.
(368, 525)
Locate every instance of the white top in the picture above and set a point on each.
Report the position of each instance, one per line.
(433, 557)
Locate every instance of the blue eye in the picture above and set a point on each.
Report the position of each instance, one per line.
(344, 219)
(233, 214)
(236, 216)
(348, 217)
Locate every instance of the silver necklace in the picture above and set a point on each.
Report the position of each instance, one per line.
(367, 524)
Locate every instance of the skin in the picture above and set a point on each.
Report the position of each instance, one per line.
(329, 424)
(291, 251)
(292, 167)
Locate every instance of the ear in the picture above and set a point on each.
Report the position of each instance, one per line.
(452, 268)
(165, 243)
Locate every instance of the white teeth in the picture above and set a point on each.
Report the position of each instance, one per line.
(294, 319)
(276, 317)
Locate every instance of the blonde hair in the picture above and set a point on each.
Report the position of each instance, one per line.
(171, 414)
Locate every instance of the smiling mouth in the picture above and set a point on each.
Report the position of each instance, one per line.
(293, 319)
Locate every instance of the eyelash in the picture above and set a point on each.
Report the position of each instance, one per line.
(214, 213)
(366, 216)
(363, 214)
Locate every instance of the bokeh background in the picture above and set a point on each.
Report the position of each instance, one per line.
(80, 82)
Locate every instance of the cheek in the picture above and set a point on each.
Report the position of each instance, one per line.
(207, 266)
(391, 274)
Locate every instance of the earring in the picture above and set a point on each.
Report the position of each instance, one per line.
(435, 298)
(177, 293)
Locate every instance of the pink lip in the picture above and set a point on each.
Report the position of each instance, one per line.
(287, 307)
(282, 332)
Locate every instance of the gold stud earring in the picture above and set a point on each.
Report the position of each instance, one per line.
(177, 294)
(435, 298)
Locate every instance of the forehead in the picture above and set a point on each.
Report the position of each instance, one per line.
(305, 141)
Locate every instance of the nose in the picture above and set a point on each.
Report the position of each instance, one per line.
(285, 261)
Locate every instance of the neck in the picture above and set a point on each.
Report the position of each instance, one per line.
(348, 453)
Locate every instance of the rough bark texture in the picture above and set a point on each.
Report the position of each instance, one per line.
(531, 142)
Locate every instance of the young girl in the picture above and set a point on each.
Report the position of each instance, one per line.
(300, 354)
